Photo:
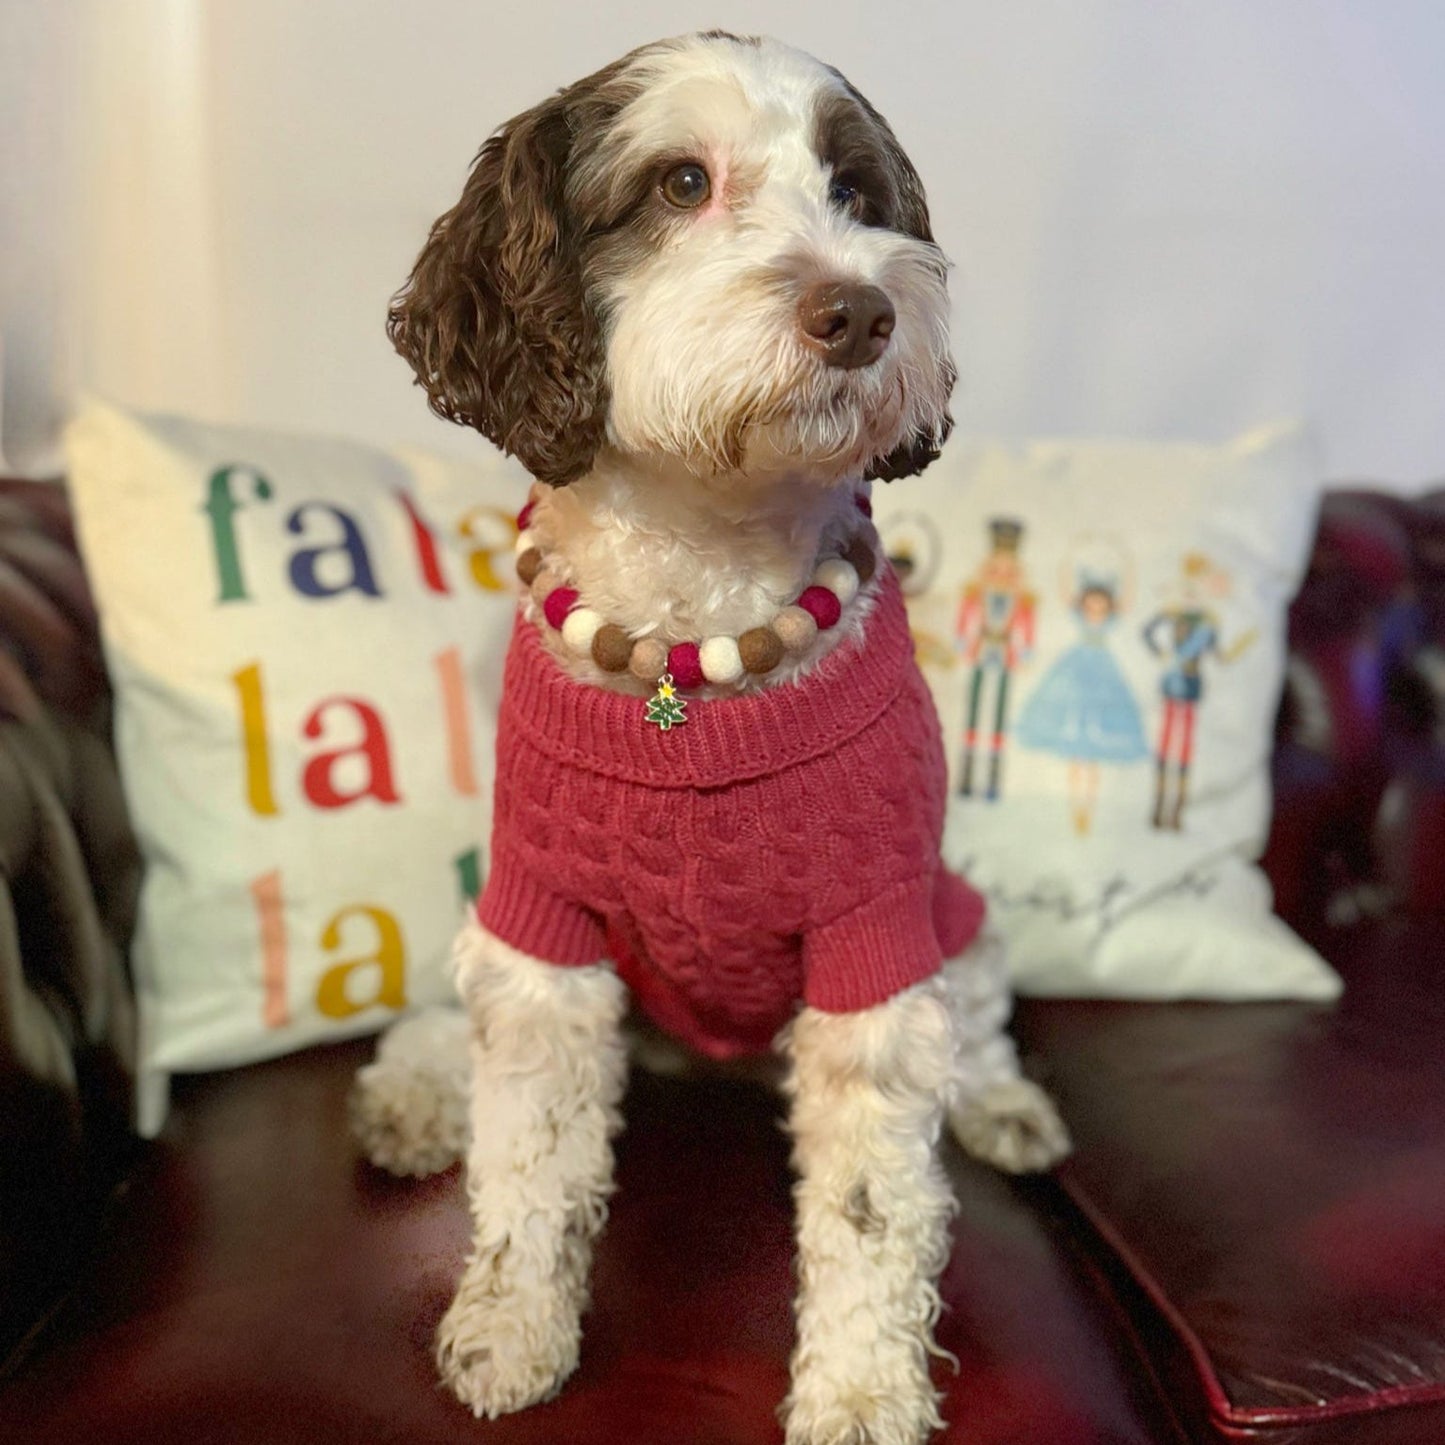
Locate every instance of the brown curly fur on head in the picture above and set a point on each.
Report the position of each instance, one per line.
(498, 320)
(493, 318)
(854, 139)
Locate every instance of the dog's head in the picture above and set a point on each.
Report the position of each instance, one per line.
(713, 249)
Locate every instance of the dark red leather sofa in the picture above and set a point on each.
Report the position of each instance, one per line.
(1248, 1245)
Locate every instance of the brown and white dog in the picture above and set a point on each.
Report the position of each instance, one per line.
(698, 296)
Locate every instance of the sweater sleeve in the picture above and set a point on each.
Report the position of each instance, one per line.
(889, 943)
(519, 909)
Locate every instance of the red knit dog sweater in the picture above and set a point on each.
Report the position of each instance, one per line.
(781, 846)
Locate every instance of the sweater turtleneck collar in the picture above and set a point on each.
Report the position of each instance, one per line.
(724, 740)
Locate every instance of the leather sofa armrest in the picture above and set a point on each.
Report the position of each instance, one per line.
(1359, 764)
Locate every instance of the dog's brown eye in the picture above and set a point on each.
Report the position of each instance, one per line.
(686, 186)
(844, 193)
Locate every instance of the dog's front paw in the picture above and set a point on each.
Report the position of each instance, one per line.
(887, 1399)
(500, 1348)
(1011, 1124)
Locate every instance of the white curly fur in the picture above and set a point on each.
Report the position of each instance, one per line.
(548, 1067)
(541, 1053)
(995, 1113)
(873, 1207)
(409, 1106)
(666, 553)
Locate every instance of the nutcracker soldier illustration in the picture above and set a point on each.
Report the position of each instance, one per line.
(995, 634)
(1184, 634)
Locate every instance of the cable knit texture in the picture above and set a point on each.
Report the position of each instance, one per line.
(780, 847)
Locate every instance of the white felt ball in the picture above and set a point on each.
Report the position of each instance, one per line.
(580, 628)
(721, 661)
(839, 577)
(525, 541)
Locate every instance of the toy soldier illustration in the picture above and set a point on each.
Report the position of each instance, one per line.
(995, 634)
(1185, 634)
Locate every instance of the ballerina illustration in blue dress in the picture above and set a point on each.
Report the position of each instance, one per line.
(1082, 709)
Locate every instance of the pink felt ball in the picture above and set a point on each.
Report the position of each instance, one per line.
(685, 664)
(822, 606)
(525, 516)
(559, 604)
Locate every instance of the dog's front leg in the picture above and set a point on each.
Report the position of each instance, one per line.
(873, 1207)
(548, 1072)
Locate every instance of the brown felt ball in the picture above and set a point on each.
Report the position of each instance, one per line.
(611, 648)
(649, 659)
(860, 554)
(761, 649)
(528, 565)
(795, 628)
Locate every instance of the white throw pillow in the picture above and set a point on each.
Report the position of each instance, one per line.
(305, 639)
(1082, 610)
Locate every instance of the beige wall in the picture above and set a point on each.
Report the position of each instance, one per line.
(1168, 219)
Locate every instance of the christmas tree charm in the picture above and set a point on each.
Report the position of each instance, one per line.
(665, 707)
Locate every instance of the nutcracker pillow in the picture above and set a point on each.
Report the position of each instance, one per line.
(1103, 626)
(305, 641)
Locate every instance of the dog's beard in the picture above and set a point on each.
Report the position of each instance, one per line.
(804, 419)
(830, 428)
(708, 367)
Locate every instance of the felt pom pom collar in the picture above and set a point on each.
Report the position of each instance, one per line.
(685, 666)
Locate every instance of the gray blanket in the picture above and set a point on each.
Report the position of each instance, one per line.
(69, 874)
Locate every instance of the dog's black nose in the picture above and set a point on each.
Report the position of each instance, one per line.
(848, 324)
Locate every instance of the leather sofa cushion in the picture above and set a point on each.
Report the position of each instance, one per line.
(1266, 1183)
(262, 1286)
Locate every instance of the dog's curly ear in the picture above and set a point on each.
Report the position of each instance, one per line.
(494, 319)
(910, 457)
